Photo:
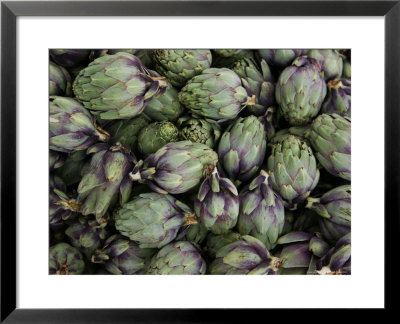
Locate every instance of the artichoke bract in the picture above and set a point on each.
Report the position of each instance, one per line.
(60, 82)
(330, 137)
(199, 130)
(177, 258)
(330, 61)
(195, 233)
(107, 178)
(293, 170)
(122, 256)
(300, 253)
(164, 107)
(86, 235)
(72, 127)
(180, 65)
(155, 135)
(69, 57)
(257, 82)
(300, 91)
(117, 86)
(56, 160)
(339, 98)
(216, 94)
(248, 256)
(65, 260)
(338, 259)
(215, 242)
(217, 203)
(242, 148)
(280, 58)
(153, 219)
(261, 211)
(176, 167)
(269, 121)
(346, 70)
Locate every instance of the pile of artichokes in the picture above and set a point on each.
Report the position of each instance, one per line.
(198, 161)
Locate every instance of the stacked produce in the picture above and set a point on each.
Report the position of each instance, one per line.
(200, 161)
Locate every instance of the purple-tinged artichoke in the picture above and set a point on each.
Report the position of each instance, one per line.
(117, 86)
(176, 167)
(180, 65)
(107, 178)
(300, 252)
(153, 219)
(338, 259)
(280, 58)
(242, 148)
(87, 235)
(215, 242)
(177, 258)
(248, 256)
(330, 61)
(330, 137)
(65, 260)
(262, 214)
(293, 170)
(257, 82)
(269, 121)
(56, 160)
(335, 209)
(339, 98)
(300, 91)
(60, 82)
(215, 94)
(122, 256)
(199, 130)
(74, 168)
(72, 127)
(217, 203)
(69, 57)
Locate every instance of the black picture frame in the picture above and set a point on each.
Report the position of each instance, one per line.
(10, 10)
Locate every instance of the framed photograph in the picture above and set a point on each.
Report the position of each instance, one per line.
(197, 148)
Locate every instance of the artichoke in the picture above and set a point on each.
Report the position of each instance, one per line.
(300, 91)
(258, 83)
(293, 170)
(217, 203)
(215, 94)
(122, 256)
(330, 61)
(144, 55)
(330, 137)
(164, 107)
(338, 259)
(235, 53)
(117, 86)
(280, 58)
(195, 233)
(74, 168)
(153, 219)
(107, 178)
(65, 260)
(86, 235)
(199, 130)
(177, 258)
(216, 242)
(242, 148)
(180, 65)
(247, 255)
(176, 167)
(69, 57)
(335, 209)
(156, 135)
(60, 81)
(261, 213)
(339, 98)
(301, 252)
(71, 126)
(56, 160)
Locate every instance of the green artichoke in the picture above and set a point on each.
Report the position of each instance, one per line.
(215, 94)
(176, 167)
(180, 65)
(60, 81)
(164, 107)
(300, 91)
(65, 260)
(330, 61)
(199, 130)
(236, 53)
(117, 86)
(330, 137)
(177, 258)
(280, 58)
(156, 135)
(144, 55)
(293, 170)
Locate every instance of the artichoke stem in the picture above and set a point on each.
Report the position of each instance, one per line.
(135, 176)
(315, 205)
(71, 204)
(103, 135)
(276, 263)
(191, 219)
(251, 101)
